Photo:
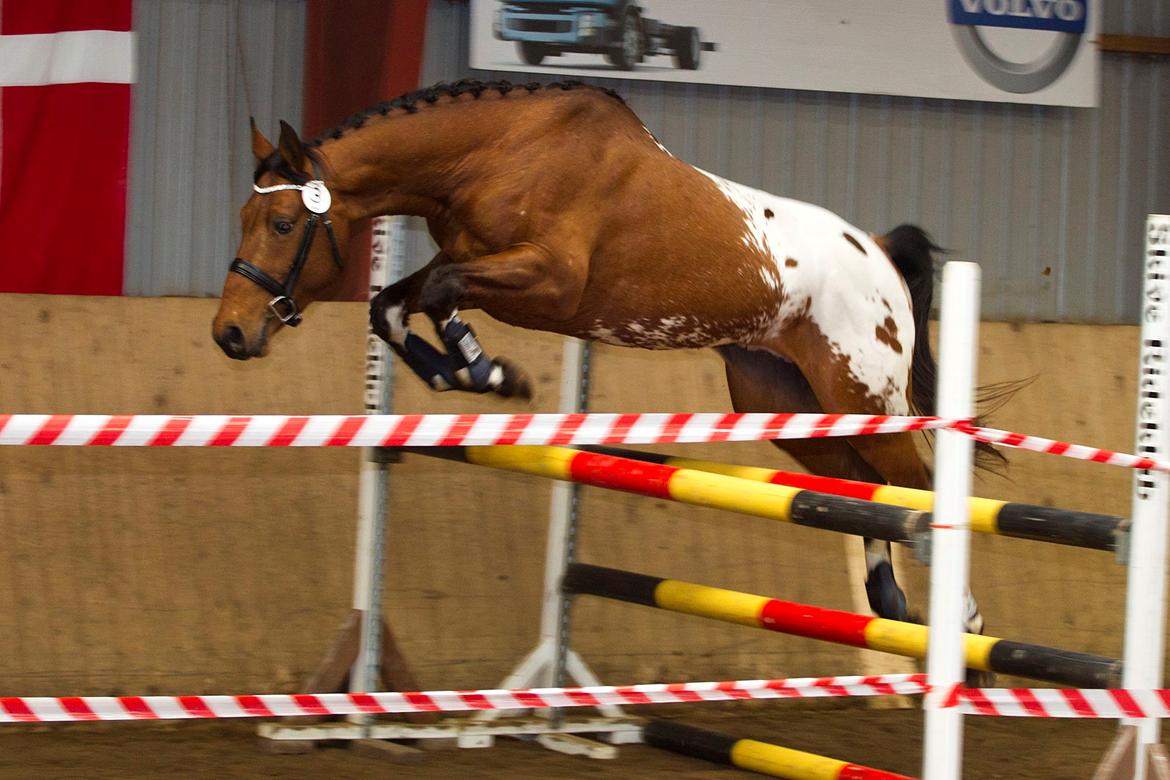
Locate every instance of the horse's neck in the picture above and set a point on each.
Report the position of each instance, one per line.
(403, 164)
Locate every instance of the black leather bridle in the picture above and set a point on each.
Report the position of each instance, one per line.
(317, 200)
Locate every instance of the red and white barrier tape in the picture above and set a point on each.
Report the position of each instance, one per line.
(1005, 702)
(39, 709)
(435, 430)
(1054, 447)
(450, 430)
(1061, 702)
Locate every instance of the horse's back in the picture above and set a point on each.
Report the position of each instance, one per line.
(777, 258)
(673, 256)
(809, 245)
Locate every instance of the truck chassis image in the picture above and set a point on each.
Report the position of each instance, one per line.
(618, 29)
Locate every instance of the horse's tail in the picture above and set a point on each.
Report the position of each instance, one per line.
(912, 253)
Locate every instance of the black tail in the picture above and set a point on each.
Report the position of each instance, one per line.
(910, 249)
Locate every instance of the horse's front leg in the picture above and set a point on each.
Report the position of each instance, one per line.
(523, 278)
(389, 310)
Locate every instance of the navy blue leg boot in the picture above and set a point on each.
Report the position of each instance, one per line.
(431, 365)
(473, 368)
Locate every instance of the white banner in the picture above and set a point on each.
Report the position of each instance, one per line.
(1020, 51)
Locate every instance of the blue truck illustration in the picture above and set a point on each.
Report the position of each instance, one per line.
(618, 29)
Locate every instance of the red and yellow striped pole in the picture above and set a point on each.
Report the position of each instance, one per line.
(1024, 521)
(879, 511)
(754, 756)
(699, 488)
(987, 653)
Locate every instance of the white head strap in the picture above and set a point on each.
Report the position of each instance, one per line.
(314, 194)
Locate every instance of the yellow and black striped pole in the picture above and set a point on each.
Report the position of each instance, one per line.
(986, 653)
(700, 488)
(754, 756)
(886, 512)
(1023, 521)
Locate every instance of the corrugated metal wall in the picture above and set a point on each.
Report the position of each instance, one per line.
(1050, 201)
(204, 67)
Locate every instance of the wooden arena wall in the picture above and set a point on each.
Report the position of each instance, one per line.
(212, 571)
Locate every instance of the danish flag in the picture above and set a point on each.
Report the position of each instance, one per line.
(65, 73)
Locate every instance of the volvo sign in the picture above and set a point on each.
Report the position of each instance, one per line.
(1039, 52)
(1066, 19)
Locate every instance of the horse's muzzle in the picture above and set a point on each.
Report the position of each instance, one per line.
(231, 340)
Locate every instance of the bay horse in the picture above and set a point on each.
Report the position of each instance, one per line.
(554, 208)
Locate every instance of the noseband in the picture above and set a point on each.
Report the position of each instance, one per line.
(317, 200)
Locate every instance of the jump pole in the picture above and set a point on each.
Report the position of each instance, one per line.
(755, 756)
(698, 488)
(387, 261)
(553, 659)
(365, 655)
(988, 653)
(1145, 598)
(1005, 518)
(950, 531)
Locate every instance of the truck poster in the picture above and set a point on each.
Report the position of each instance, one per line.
(1022, 51)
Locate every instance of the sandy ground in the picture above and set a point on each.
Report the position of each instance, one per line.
(128, 571)
(887, 739)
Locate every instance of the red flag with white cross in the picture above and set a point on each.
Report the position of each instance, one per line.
(66, 68)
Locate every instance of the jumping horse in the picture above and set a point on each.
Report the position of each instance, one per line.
(554, 208)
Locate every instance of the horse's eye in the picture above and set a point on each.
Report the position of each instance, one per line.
(283, 226)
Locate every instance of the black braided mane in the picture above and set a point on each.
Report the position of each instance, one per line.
(409, 103)
(432, 94)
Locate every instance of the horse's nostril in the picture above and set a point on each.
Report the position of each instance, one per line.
(231, 339)
(234, 337)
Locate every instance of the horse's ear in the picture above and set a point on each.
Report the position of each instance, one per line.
(291, 148)
(261, 146)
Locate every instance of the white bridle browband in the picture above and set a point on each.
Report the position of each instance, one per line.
(276, 187)
(314, 194)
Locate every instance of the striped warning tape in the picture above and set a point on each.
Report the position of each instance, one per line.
(435, 430)
(1054, 447)
(39, 709)
(1061, 702)
(452, 430)
(1009, 702)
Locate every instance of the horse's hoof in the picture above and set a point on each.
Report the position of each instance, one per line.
(386, 317)
(977, 678)
(886, 599)
(515, 383)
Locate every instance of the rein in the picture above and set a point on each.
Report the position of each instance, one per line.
(315, 195)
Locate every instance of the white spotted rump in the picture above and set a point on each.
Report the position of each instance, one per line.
(850, 295)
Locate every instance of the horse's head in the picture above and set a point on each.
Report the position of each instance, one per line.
(290, 253)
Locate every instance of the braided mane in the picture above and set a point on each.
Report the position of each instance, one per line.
(436, 92)
(409, 103)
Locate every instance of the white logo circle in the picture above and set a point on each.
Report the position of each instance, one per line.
(316, 197)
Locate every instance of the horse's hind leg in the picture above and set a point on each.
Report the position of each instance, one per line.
(761, 382)
(894, 456)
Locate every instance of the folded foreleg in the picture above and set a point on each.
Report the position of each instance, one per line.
(389, 312)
